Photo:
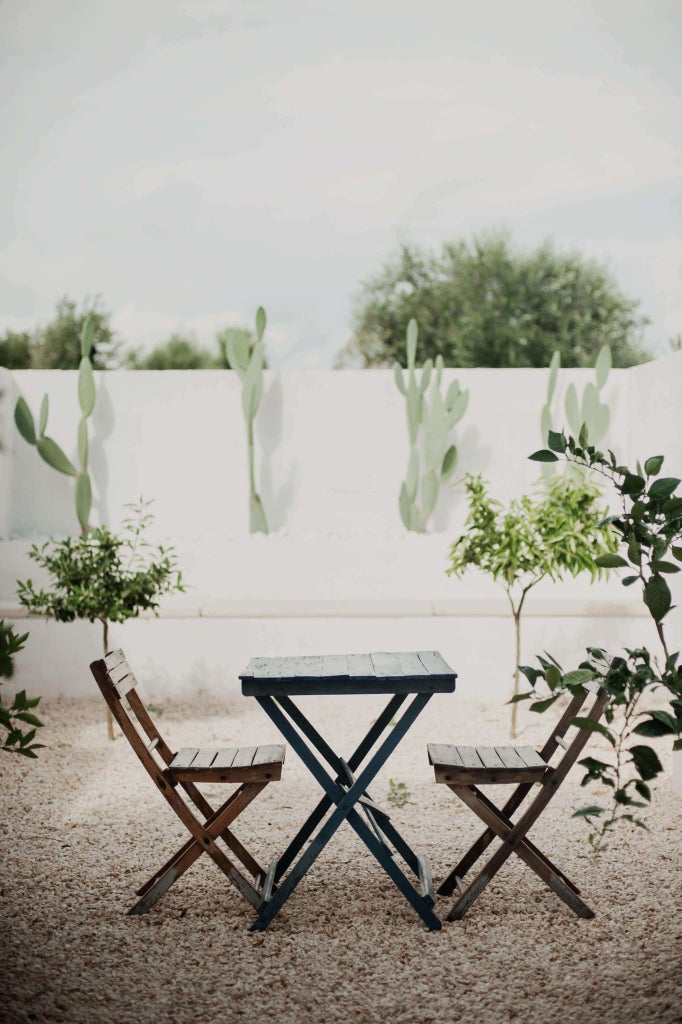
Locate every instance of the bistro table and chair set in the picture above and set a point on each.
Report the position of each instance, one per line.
(408, 681)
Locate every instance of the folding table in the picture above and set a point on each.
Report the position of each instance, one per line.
(410, 680)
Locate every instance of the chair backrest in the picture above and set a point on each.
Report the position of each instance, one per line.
(117, 683)
(571, 749)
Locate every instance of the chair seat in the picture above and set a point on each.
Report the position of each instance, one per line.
(480, 765)
(230, 764)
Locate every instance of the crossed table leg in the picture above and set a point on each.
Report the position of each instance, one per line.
(345, 793)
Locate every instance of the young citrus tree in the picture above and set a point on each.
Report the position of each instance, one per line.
(103, 577)
(552, 534)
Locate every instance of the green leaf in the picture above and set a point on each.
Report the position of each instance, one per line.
(55, 457)
(584, 436)
(677, 553)
(657, 597)
(261, 320)
(238, 350)
(588, 812)
(556, 441)
(652, 466)
(412, 334)
(86, 386)
(253, 383)
(610, 561)
(572, 410)
(659, 566)
(542, 705)
(642, 789)
(659, 724)
(449, 462)
(543, 456)
(87, 335)
(430, 484)
(257, 521)
(23, 417)
(412, 481)
(632, 484)
(44, 410)
(554, 366)
(663, 488)
(83, 443)
(553, 677)
(83, 499)
(404, 505)
(602, 365)
(578, 676)
(398, 374)
(646, 762)
(589, 725)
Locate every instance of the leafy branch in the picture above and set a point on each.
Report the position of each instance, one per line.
(649, 528)
(19, 713)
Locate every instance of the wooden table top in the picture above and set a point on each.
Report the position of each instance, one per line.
(403, 672)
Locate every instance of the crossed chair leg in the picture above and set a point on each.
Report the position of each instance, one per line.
(203, 840)
(514, 840)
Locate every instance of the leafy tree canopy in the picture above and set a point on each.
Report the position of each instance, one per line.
(57, 345)
(178, 353)
(483, 303)
(15, 350)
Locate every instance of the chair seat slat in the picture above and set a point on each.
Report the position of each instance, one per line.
(272, 753)
(244, 757)
(205, 757)
(184, 757)
(225, 757)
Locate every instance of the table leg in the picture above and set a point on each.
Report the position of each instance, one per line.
(345, 803)
(358, 755)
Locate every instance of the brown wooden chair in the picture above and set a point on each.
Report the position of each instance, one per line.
(176, 775)
(464, 769)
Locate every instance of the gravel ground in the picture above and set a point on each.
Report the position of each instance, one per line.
(83, 827)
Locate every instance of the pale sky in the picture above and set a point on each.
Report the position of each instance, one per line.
(189, 160)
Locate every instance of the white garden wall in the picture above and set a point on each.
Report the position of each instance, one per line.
(339, 572)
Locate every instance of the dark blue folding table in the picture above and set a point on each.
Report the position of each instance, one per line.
(408, 679)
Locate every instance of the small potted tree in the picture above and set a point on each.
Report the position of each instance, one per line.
(103, 577)
(552, 535)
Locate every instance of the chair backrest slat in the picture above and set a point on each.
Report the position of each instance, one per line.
(135, 724)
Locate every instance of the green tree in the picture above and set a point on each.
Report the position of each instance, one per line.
(483, 303)
(102, 576)
(178, 353)
(57, 345)
(15, 350)
(556, 534)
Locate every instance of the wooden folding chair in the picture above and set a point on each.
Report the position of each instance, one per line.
(177, 775)
(464, 769)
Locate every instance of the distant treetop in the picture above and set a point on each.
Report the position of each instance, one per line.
(483, 303)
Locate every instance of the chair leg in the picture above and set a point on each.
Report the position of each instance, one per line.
(203, 840)
(513, 841)
(447, 886)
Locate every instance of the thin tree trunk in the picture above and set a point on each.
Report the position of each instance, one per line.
(105, 639)
(517, 659)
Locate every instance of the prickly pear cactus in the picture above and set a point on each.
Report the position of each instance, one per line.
(431, 417)
(47, 447)
(585, 410)
(246, 358)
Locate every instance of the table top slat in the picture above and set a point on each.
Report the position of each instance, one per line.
(381, 672)
(359, 665)
(387, 665)
(434, 663)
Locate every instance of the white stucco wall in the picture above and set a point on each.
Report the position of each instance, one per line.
(339, 572)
